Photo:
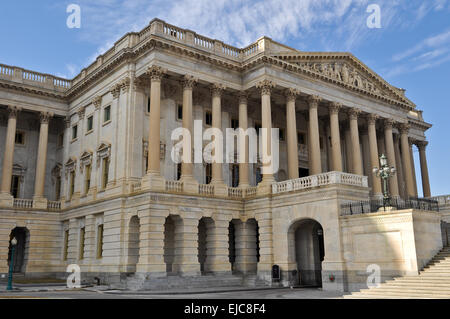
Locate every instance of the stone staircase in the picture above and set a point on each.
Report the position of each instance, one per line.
(432, 282)
(186, 283)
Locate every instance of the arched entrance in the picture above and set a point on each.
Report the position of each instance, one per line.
(21, 250)
(307, 235)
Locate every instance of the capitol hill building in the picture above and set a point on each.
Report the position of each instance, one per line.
(87, 176)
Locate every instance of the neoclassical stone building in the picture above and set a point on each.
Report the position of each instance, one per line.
(87, 176)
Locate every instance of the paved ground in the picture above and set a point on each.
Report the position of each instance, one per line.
(55, 292)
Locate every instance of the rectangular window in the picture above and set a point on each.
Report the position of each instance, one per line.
(301, 138)
(105, 172)
(90, 123)
(58, 188)
(235, 175)
(66, 244)
(179, 112)
(61, 140)
(15, 186)
(178, 171)
(208, 118)
(82, 239)
(20, 138)
(99, 241)
(281, 134)
(234, 123)
(148, 104)
(87, 181)
(74, 132)
(107, 114)
(208, 173)
(72, 184)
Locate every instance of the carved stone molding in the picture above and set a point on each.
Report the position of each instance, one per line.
(353, 113)
(388, 123)
(13, 111)
(403, 128)
(313, 101)
(115, 90)
(265, 86)
(97, 101)
(217, 89)
(125, 85)
(372, 118)
(85, 159)
(291, 94)
(421, 145)
(70, 166)
(104, 150)
(141, 83)
(81, 112)
(155, 72)
(67, 121)
(189, 82)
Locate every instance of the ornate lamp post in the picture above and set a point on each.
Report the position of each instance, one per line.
(11, 264)
(385, 172)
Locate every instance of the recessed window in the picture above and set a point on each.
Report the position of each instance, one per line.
(208, 118)
(61, 140)
(148, 104)
(87, 181)
(281, 134)
(301, 138)
(74, 132)
(178, 171)
(234, 123)
(72, 184)
(179, 112)
(20, 138)
(82, 239)
(99, 241)
(235, 175)
(66, 244)
(15, 186)
(90, 123)
(58, 188)
(107, 114)
(105, 172)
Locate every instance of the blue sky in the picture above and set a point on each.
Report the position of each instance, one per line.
(411, 50)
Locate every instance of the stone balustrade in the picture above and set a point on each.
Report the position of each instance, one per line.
(319, 180)
(174, 186)
(443, 200)
(235, 192)
(22, 203)
(206, 189)
(53, 205)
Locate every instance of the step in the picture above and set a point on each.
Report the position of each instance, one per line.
(420, 287)
(410, 294)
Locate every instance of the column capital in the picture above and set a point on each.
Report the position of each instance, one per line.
(291, 94)
(155, 72)
(125, 84)
(243, 97)
(313, 101)
(189, 82)
(140, 83)
(217, 89)
(265, 86)
(67, 121)
(115, 90)
(353, 113)
(372, 118)
(13, 110)
(403, 128)
(97, 101)
(81, 112)
(388, 123)
(45, 117)
(421, 145)
(334, 107)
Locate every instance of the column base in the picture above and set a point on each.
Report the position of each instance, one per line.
(190, 184)
(40, 202)
(6, 200)
(153, 182)
(220, 189)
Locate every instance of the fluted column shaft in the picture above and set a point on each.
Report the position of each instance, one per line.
(188, 85)
(424, 169)
(8, 155)
(389, 144)
(243, 124)
(356, 148)
(374, 162)
(315, 164)
(154, 138)
(335, 137)
(216, 92)
(406, 158)
(42, 155)
(291, 136)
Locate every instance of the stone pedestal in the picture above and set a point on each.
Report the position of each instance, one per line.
(40, 202)
(6, 200)
(153, 182)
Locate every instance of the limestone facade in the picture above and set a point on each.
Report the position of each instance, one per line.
(86, 168)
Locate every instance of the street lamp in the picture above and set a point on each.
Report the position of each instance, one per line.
(11, 264)
(385, 172)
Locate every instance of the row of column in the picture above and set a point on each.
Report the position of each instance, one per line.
(265, 88)
(8, 159)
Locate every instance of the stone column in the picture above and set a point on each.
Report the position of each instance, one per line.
(404, 129)
(217, 249)
(153, 177)
(38, 199)
(374, 160)
(186, 247)
(400, 169)
(246, 253)
(8, 157)
(187, 177)
(413, 167)
(266, 87)
(424, 168)
(243, 124)
(216, 168)
(357, 168)
(291, 136)
(348, 148)
(335, 137)
(315, 164)
(390, 154)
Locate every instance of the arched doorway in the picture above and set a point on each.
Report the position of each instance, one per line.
(307, 235)
(21, 250)
(133, 243)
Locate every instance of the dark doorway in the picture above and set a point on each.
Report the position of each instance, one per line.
(303, 172)
(20, 252)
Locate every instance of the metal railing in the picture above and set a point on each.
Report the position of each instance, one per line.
(375, 205)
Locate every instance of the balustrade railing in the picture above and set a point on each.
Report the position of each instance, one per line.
(22, 203)
(53, 205)
(174, 186)
(206, 189)
(443, 200)
(235, 192)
